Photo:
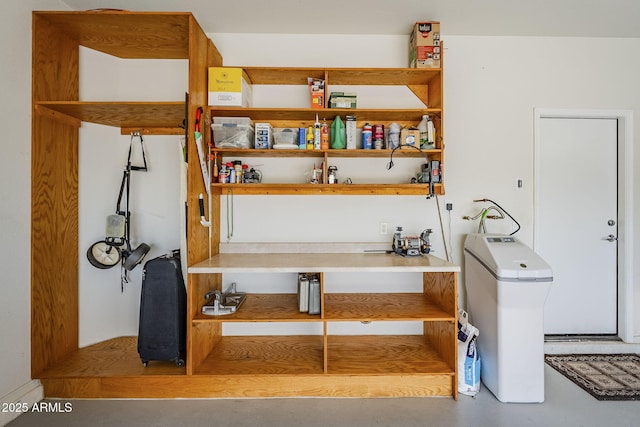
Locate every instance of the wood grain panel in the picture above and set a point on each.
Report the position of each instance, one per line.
(111, 358)
(137, 115)
(162, 35)
(384, 354)
(234, 386)
(81, 376)
(200, 239)
(332, 189)
(442, 289)
(381, 76)
(55, 57)
(303, 117)
(201, 337)
(342, 76)
(436, 90)
(264, 307)
(358, 153)
(282, 76)
(54, 242)
(365, 307)
(259, 355)
(443, 338)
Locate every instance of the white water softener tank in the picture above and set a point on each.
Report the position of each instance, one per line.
(507, 284)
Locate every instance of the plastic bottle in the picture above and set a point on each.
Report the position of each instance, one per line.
(337, 134)
(422, 127)
(394, 136)
(324, 136)
(316, 134)
(237, 166)
(310, 138)
(431, 133)
(232, 173)
(245, 168)
(367, 135)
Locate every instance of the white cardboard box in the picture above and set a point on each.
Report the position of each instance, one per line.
(229, 87)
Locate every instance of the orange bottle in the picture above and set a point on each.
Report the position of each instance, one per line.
(324, 136)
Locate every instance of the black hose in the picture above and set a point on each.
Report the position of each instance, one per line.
(503, 210)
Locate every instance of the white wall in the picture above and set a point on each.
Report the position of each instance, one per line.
(106, 310)
(15, 196)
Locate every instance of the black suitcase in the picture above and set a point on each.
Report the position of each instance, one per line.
(163, 311)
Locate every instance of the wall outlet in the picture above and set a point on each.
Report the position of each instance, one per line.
(448, 205)
(383, 228)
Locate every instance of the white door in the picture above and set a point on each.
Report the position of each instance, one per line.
(576, 222)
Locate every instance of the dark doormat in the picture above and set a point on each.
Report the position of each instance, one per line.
(604, 376)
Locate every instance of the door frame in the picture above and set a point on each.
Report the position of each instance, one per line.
(625, 202)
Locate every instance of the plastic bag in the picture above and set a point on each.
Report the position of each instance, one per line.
(468, 359)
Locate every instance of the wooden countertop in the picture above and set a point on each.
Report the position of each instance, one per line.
(321, 262)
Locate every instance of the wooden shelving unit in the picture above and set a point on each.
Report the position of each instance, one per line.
(312, 364)
(57, 113)
(425, 84)
(326, 359)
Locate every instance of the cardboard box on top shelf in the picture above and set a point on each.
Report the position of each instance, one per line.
(424, 45)
(316, 90)
(229, 87)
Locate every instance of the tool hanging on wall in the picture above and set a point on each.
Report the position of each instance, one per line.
(107, 253)
(203, 219)
(431, 173)
(203, 159)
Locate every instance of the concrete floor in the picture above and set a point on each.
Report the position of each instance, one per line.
(565, 405)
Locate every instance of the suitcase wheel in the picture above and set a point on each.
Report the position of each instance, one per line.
(179, 362)
(145, 362)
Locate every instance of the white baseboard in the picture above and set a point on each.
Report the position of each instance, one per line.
(22, 397)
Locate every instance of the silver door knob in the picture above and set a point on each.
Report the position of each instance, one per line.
(611, 238)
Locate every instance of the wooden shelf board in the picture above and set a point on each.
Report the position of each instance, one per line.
(358, 153)
(250, 386)
(382, 306)
(163, 35)
(114, 357)
(137, 115)
(332, 189)
(342, 76)
(382, 76)
(264, 307)
(303, 117)
(259, 355)
(112, 369)
(325, 262)
(383, 354)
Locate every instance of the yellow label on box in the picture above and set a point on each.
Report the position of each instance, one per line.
(223, 79)
(228, 87)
